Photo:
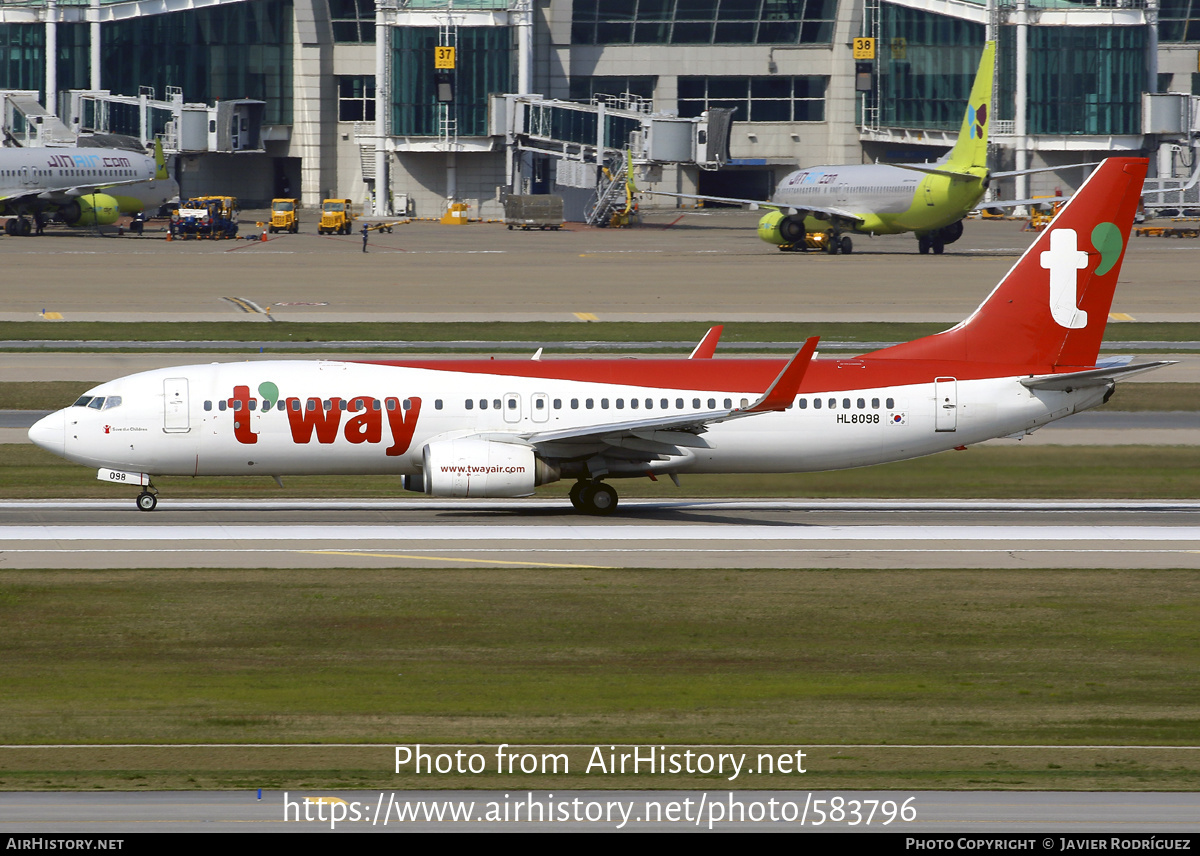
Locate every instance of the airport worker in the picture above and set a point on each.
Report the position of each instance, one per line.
(366, 231)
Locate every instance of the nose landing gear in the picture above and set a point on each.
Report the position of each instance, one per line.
(148, 499)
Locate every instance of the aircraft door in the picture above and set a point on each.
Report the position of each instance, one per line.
(539, 407)
(945, 402)
(175, 406)
(512, 407)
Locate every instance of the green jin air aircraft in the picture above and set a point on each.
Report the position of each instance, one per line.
(815, 206)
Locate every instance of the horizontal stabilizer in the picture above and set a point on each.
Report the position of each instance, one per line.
(1092, 377)
(937, 170)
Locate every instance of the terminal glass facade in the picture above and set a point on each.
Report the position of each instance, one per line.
(703, 22)
(243, 50)
(483, 60)
(23, 57)
(926, 65)
(1082, 80)
(775, 98)
(1179, 20)
(353, 21)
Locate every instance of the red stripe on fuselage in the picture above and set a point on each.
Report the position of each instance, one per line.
(827, 375)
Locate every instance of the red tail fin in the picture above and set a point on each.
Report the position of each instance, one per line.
(1052, 307)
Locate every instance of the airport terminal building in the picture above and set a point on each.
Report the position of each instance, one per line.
(361, 99)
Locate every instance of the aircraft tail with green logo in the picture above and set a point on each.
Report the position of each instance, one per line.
(971, 148)
(1049, 312)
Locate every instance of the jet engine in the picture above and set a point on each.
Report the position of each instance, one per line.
(778, 228)
(94, 209)
(480, 468)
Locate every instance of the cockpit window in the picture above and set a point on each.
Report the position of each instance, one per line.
(97, 403)
(112, 401)
(83, 401)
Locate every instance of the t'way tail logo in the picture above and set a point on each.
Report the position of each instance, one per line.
(323, 420)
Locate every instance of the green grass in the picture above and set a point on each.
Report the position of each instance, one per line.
(785, 333)
(594, 657)
(51, 395)
(1057, 472)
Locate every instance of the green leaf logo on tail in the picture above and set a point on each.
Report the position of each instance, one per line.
(1106, 238)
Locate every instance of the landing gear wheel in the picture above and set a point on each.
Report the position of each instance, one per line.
(10, 227)
(577, 490)
(26, 228)
(147, 501)
(832, 242)
(599, 499)
(847, 246)
(923, 246)
(939, 246)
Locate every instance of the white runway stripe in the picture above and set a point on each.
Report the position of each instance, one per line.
(1020, 535)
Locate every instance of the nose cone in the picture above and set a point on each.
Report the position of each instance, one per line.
(50, 433)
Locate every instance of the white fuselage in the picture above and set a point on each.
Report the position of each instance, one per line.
(334, 417)
(54, 170)
(877, 188)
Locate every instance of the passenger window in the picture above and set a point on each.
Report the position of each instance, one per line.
(574, 403)
(633, 403)
(728, 403)
(832, 403)
(696, 403)
(845, 404)
(406, 404)
(470, 404)
(589, 403)
(712, 404)
(483, 404)
(221, 405)
(891, 402)
(604, 404)
(874, 403)
(437, 404)
(208, 405)
(862, 403)
(803, 403)
(679, 404)
(816, 404)
(495, 404)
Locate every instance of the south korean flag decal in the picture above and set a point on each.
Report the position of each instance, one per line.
(898, 418)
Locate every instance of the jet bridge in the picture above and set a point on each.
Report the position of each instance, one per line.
(591, 145)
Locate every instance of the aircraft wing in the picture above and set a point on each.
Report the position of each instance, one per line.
(755, 204)
(664, 435)
(1092, 377)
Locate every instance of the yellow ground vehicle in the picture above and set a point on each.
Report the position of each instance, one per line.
(285, 216)
(337, 217)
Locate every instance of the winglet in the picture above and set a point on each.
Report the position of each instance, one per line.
(780, 394)
(708, 345)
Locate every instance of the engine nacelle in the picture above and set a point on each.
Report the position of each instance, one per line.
(94, 209)
(778, 228)
(483, 468)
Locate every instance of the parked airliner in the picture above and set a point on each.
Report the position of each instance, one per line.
(818, 205)
(499, 428)
(70, 184)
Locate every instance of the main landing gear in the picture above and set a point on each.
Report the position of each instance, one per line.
(148, 499)
(593, 497)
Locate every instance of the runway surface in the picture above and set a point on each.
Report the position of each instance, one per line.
(644, 534)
